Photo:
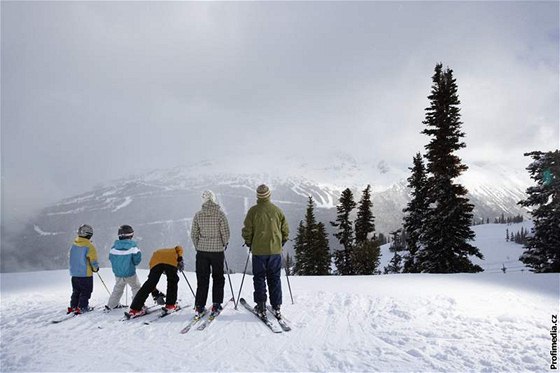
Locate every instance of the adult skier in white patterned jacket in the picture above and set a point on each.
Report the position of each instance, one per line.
(210, 236)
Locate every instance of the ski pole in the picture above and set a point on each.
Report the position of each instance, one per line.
(243, 278)
(103, 282)
(188, 284)
(229, 278)
(288, 279)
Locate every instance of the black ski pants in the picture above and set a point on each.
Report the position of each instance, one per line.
(151, 283)
(81, 292)
(206, 263)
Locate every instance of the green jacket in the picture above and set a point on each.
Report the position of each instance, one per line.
(265, 228)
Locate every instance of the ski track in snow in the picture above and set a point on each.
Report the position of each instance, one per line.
(370, 323)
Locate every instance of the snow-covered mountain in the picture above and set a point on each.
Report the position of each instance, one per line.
(160, 204)
(484, 322)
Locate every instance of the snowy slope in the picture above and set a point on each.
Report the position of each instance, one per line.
(464, 322)
(491, 241)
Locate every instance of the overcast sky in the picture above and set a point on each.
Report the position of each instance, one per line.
(97, 91)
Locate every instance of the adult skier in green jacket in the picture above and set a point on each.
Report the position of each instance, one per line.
(265, 231)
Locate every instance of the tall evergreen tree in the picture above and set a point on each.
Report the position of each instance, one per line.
(416, 213)
(542, 249)
(345, 233)
(365, 257)
(311, 246)
(364, 224)
(322, 257)
(300, 249)
(446, 250)
(365, 254)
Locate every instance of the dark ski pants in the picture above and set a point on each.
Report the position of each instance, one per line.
(266, 270)
(151, 283)
(206, 263)
(81, 291)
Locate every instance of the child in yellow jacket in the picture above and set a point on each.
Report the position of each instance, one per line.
(167, 261)
(82, 258)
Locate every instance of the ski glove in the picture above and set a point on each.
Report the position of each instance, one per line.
(180, 264)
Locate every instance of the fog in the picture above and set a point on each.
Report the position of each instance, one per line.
(94, 91)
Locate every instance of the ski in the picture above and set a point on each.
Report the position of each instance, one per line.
(212, 317)
(265, 320)
(69, 316)
(164, 313)
(147, 311)
(195, 319)
(106, 309)
(281, 320)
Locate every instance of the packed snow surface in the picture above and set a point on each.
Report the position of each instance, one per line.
(482, 322)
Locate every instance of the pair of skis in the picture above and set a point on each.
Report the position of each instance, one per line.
(205, 322)
(284, 327)
(69, 316)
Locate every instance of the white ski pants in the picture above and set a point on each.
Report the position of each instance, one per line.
(120, 284)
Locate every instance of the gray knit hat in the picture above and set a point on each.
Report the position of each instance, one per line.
(263, 192)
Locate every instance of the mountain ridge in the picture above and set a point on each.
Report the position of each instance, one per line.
(160, 205)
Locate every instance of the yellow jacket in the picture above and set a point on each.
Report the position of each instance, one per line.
(166, 256)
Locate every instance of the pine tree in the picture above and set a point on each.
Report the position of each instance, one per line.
(366, 252)
(416, 213)
(397, 246)
(382, 239)
(365, 258)
(311, 246)
(289, 265)
(446, 250)
(300, 249)
(364, 224)
(322, 257)
(345, 234)
(542, 250)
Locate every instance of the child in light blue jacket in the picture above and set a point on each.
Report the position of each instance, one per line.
(124, 257)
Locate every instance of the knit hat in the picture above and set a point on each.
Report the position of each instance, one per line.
(208, 195)
(263, 192)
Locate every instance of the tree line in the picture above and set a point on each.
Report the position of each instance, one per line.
(436, 234)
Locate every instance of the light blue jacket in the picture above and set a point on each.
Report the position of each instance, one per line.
(124, 257)
(82, 258)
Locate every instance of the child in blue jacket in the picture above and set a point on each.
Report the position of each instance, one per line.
(82, 258)
(124, 257)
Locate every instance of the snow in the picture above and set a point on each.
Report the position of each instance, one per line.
(127, 201)
(43, 233)
(461, 322)
(491, 241)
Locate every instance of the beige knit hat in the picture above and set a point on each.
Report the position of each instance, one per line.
(208, 195)
(263, 192)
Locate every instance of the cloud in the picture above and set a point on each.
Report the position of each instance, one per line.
(96, 91)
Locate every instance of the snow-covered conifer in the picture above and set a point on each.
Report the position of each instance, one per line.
(542, 252)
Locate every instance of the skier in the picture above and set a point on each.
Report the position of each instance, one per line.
(265, 231)
(124, 257)
(167, 261)
(210, 236)
(82, 258)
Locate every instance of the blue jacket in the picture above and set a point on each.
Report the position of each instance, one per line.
(124, 257)
(82, 258)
